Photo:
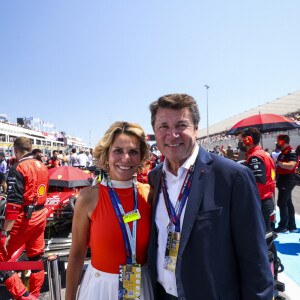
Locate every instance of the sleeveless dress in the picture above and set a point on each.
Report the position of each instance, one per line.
(101, 279)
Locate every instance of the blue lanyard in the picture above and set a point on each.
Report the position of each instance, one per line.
(129, 239)
(175, 213)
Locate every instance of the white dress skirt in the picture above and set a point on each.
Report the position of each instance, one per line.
(98, 285)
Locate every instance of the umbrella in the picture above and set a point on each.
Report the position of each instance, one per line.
(265, 123)
(68, 177)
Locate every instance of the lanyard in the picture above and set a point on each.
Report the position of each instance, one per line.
(175, 213)
(129, 239)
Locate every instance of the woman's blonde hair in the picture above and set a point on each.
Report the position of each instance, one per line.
(102, 149)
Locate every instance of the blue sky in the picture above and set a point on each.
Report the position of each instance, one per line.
(85, 64)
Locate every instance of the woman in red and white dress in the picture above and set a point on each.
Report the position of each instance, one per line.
(121, 151)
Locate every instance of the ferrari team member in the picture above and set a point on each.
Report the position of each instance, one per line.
(37, 154)
(262, 166)
(12, 161)
(25, 218)
(287, 163)
(53, 162)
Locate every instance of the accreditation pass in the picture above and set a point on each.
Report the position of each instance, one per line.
(130, 282)
(171, 253)
(132, 216)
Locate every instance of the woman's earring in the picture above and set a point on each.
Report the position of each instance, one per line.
(107, 165)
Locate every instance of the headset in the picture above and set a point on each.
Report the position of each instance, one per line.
(280, 143)
(248, 139)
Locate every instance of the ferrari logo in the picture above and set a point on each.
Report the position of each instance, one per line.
(59, 176)
(273, 174)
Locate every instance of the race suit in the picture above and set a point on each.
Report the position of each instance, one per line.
(263, 169)
(285, 184)
(27, 189)
(54, 163)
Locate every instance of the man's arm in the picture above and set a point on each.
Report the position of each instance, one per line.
(290, 165)
(257, 166)
(15, 187)
(8, 225)
(292, 161)
(248, 231)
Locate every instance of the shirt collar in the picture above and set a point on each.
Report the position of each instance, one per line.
(186, 165)
(286, 149)
(257, 147)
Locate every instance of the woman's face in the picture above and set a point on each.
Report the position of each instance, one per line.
(124, 157)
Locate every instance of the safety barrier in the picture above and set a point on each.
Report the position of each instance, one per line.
(52, 268)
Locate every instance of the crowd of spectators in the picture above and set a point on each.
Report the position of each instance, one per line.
(294, 117)
(217, 138)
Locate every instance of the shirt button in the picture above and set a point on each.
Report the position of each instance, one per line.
(170, 289)
(97, 275)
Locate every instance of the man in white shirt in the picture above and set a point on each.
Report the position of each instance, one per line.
(89, 158)
(64, 160)
(83, 159)
(74, 161)
(200, 245)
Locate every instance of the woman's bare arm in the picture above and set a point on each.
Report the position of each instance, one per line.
(85, 205)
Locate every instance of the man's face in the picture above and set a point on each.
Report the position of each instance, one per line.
(240, 137)
(38, 156)
(175, 133)
(55, 155)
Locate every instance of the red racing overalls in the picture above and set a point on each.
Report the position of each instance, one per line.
(263, 169)
(27, 186)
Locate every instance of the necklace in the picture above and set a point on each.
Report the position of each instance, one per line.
(125, 194)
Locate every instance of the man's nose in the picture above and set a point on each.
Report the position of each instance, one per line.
(173, 132)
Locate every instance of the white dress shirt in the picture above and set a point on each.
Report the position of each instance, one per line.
(174, 183)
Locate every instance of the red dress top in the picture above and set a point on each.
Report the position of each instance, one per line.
(106, 239)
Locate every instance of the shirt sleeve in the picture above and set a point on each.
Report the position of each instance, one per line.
(258, 168)
(15, 187)
(292, 156)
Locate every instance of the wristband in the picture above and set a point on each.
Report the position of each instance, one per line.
(5, 233)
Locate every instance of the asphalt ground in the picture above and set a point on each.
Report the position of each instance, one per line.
(288, 252)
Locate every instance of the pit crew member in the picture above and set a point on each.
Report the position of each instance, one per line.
(25, 218)
(287, 163)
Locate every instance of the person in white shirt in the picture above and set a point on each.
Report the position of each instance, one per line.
(89, 158)
(64, 160)
(3, 173)
(74, 161)
(82, 158)
(200, 245)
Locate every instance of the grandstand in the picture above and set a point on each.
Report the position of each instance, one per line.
(287, 106)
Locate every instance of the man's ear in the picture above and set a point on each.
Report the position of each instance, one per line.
(196, 131)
